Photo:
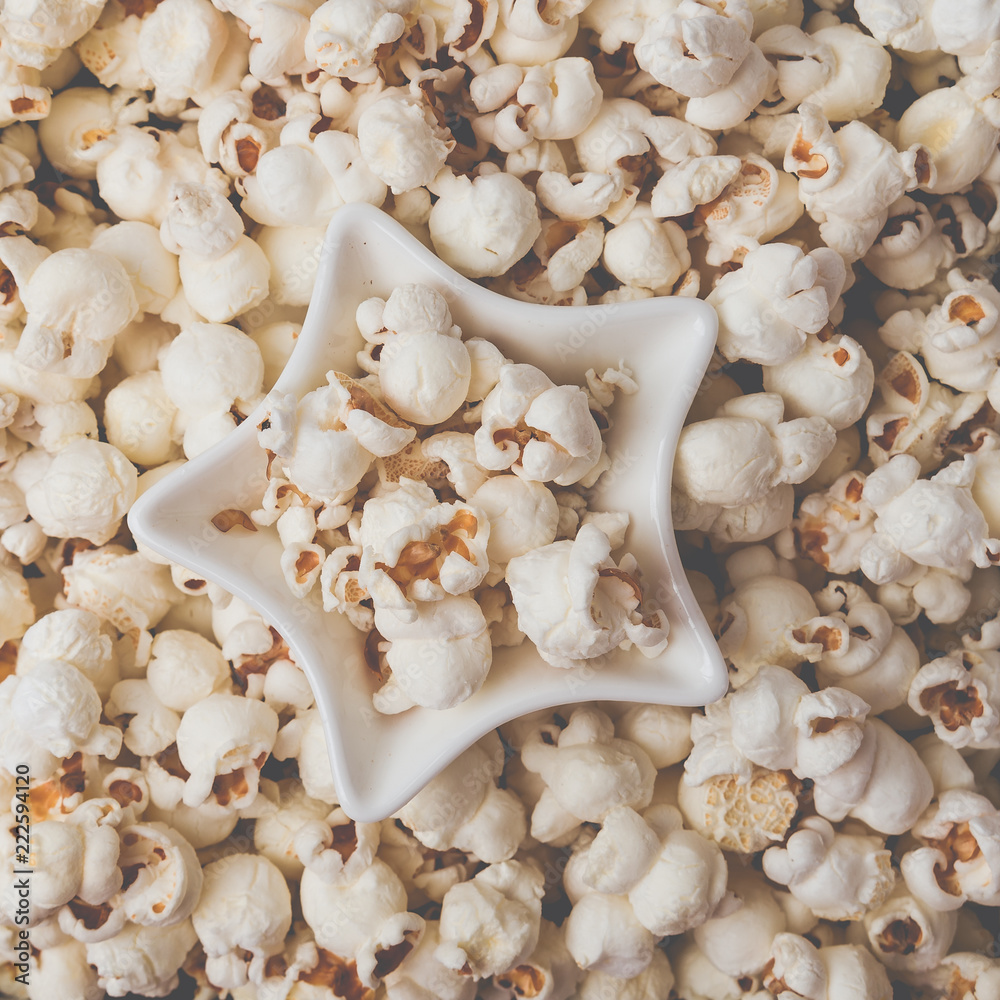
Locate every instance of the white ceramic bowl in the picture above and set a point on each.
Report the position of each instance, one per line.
(379, 762)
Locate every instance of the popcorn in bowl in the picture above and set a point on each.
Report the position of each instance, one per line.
(428, 622)
(422, 556)
(825, 175)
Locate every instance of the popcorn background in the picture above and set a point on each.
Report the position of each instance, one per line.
(826, 175)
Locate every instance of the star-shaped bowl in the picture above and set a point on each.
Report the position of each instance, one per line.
(380, 761)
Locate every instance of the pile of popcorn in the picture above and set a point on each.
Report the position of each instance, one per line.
(826, 175)
(417, 554)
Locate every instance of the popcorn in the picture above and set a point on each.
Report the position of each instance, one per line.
(709, 466)
(756, 618)
(797, 967)
(644, 253)
(77, 301)
(954, 691)
(364, 921)
(36, 32)
(910, 30)
(578, 197)
(958, 861)
(557, 100)
(523, 516)
(179, 45)
(491, 923)
(242, 917)
(556, 589)
(661, 730)
(424, 368)
(330, 170)
(868, 654)
(75, 637)
(401, 140)
(121, 587)
(707, 56)
(141, 959)
(233, 134)
(336, 848)
(303, 738)
(655, 980)
(223, 287)
(586, 771)
(840, 374)
(110, 49)
(136, 347)
(425, 873)
(343, 39)
(139, 420)
(327, 441)
(523, 36)
(422, 976)
(538, 430)
(697, 977)
(833, 527)
(151, 269)
(224, 756)
(150, 727)
(738, 942)
(905, 540)
(838, 876)
(84, 493)
(79, 117)
(278, 34)
(674, 879)
(884, 784)
(463, 28)
(138, 167)
(20, 258)
(695, 181)
(184, 668)
(463, 808)
(439, 659)
(166, 876)
(201, 221)
(605, 936)
(758, 204)
(848, 187)
(75, 870)
(63, 969)
(774, 721)
(959, 340)
(417, 549)
(481, 226)
(960, 153)
(741, 815)
(907, 935)
(838, 68)
(909, 249)
(620, 173)
(776, 278)
(275, 834)
(18, 608)
(695, 50)
(230, 372)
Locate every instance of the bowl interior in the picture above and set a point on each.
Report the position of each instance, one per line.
(380, 761)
